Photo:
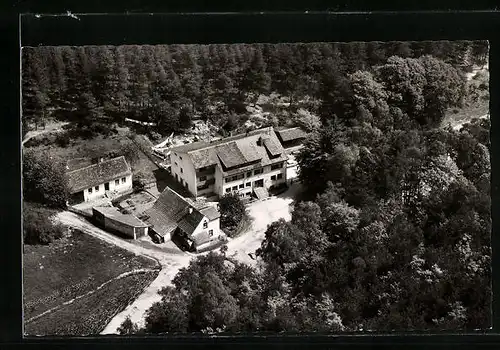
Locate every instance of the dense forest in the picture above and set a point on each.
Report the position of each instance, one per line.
(393, 230)
(395, 234)
(170, 85)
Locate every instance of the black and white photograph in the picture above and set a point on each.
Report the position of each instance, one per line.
(316, 187)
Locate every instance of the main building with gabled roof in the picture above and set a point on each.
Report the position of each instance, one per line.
(245, 164)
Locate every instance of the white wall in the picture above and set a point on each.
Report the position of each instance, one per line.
(219, 182)
(266, 176)
(212, 225)
(119, 226)
(121, 187)
(188, 172)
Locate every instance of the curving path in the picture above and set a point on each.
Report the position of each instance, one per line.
(55, 308)
(170, 264)
(263, 213)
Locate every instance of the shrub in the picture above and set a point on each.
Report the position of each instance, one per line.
(233, 212)
(128, 327)
(44, 180)
(63, 139)
(483, 86)
(154, 135)
(37, 227)
(131, 153)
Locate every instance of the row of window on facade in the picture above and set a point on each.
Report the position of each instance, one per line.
(248, 184)
(117, 182)
(249, 173)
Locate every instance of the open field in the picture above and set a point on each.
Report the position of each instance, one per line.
(71, 267)
(89, 315)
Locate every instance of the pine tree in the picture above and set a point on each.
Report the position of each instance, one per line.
(255, 79)
(122, 88)
(59, 77)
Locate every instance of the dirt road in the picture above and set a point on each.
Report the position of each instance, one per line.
(459, 125)
(49, 128)
(263, 213)
(170, 265)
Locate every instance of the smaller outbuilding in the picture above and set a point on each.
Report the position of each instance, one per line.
(291, 139)
(173, 217)
(111, 219)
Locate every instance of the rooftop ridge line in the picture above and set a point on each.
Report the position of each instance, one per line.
(96, 164)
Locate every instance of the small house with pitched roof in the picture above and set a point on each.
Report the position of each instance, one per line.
(112, 177)
(172, 215)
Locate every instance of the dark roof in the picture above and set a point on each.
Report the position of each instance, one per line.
(211, 213)
(77, 163)
(190, 147)
(97, 174)
(230, 155)
(291, 134)
(203, 158)
(236, 151)
(203, 144)
(273, 147)
(114, 214)
(190, 222)
(170, 211)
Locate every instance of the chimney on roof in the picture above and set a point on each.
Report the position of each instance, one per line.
(190, 210)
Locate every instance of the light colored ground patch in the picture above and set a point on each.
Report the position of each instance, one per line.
(263, 213)
(137, 203)
(50, 127)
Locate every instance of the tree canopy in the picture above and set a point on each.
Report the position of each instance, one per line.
(44, 179)
(171, 85)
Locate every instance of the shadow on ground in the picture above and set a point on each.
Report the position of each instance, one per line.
(164, 179)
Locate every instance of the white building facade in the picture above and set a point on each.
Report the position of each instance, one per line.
(107, 177)
(238, 164)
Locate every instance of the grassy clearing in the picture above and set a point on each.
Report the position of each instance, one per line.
(90, 148)
(90, 315)
(476, 104)
(71, 267)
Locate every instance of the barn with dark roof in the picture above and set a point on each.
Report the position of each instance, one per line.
(173, 217)
(106, 177)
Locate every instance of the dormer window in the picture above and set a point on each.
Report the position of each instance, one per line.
(205, 224)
